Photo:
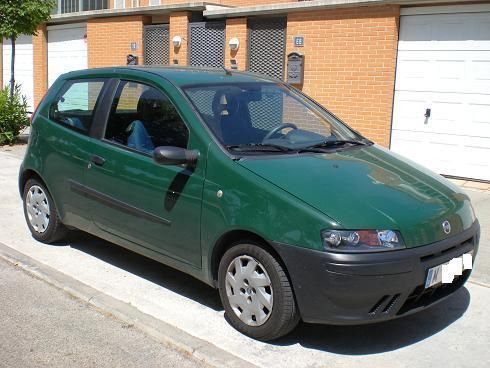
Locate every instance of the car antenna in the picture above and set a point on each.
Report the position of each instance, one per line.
(227, 71)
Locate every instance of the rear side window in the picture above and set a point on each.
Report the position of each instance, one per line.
(74, 107)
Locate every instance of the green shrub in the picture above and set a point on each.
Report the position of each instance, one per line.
(13, 115)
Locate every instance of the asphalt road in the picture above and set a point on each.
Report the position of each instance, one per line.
(43, 327)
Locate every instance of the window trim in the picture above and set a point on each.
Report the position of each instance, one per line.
(119, 7)
(112, 95)
(77, 3)
(66, 85)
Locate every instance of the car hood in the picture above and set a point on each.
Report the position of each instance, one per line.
(371, 188)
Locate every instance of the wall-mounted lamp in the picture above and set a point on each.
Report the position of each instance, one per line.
(177, 41)
(234, 44)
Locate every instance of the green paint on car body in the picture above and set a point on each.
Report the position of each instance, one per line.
(283, 198)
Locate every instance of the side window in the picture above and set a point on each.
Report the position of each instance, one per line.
(143, 118)
(75, 106)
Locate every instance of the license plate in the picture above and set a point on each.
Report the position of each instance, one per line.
(445, 273)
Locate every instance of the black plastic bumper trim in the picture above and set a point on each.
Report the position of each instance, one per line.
(336, 288)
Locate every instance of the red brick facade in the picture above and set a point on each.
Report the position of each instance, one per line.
(179, 25)
(350, 59)
(40, 49)
(236, 28)
(109, 40)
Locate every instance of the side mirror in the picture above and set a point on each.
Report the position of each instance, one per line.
(168, 155)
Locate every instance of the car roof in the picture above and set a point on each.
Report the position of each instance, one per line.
(179, 75)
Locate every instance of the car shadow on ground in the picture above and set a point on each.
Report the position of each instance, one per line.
(381, 337)
(346, 340)
(145, 268)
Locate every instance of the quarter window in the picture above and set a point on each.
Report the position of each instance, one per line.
(143, 118)
(75, 106)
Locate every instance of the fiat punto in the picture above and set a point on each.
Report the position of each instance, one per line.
(250, 186)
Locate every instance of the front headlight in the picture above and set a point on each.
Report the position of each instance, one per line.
(349, 241)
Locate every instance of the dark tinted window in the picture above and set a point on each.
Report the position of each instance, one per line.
(75, 106)
(143, 118)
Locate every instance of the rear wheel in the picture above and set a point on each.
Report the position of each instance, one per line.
(41, 213)
(256, 293)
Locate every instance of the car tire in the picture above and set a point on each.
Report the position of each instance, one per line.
(247, 290)
(41, 213)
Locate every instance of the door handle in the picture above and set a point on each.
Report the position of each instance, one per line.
(427, 116)
(97, 160)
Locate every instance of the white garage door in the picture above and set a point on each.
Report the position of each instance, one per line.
(443, 70)
(24, 75)
(67, 49)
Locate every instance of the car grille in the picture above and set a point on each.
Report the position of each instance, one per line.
(422, 297)
(384, 305)
(429, 257)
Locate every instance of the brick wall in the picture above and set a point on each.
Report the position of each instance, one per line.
(350, 58)
(237, 27)
(179, 26)
(109, 40)
(40, 50)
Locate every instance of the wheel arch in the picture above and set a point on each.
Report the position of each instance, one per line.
(27, 174)
(231, 238)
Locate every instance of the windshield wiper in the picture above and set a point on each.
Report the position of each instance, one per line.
(259, 147)
(339, 142)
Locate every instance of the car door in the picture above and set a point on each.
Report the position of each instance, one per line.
(63, 134)
(132, 197)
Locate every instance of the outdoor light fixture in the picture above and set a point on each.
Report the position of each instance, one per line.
(234, 44)
(177, 41)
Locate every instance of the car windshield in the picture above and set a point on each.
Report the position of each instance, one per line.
(265, 117)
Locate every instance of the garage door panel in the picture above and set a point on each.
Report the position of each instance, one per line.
(451, 155)
(481, 73)
(445, 32)
(67, 50)
(473, 166)
(409, 110)
(451, 113)
(24, 74)
(444, 71)
(444, 65)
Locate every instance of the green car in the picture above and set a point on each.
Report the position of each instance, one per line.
(250, 186)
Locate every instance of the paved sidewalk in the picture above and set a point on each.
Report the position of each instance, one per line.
(472, 185)
(451, 334)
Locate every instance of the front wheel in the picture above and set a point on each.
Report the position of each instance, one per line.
(256, 293)
(41, 213)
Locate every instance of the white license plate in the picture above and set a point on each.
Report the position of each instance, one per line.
(446, 272)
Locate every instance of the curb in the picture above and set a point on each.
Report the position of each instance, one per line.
(162, 332)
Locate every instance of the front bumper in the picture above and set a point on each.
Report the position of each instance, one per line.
(334, 288)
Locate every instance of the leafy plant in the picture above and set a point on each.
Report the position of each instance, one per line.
(22, 17)
(13, 114)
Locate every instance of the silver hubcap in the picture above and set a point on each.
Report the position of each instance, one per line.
(249, 290)
(37, 209)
